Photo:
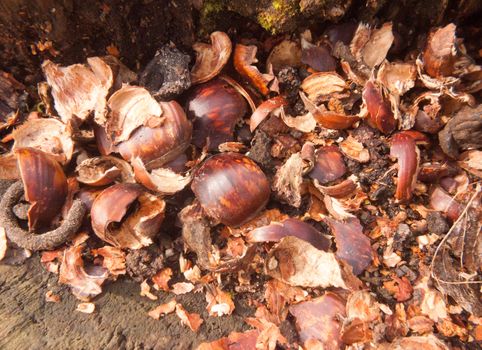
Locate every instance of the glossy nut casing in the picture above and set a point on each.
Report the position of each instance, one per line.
(45, 185)
(231, 188)
(159, 145)
(214, 109)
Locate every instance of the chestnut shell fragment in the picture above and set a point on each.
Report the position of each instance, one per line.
(329, 165)
(214, 109)
(157, 146)
(45, 185)
(231, 188)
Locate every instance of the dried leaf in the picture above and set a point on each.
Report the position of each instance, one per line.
(219, 303)
(162, 278)
(163, 309)
(182, 288)
(234, 341)
(146, 291)
(193, 321)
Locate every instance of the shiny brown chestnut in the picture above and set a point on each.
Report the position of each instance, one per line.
(215, 108)
(44, 183)
(161, 144)
(231, 188)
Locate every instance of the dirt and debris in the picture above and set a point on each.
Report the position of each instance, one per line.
(242, 188)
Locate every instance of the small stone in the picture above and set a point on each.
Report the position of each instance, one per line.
(436, 223)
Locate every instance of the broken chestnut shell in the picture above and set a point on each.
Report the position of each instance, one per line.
(210, 59)
(244, 57)
(381, 115)
(404, 148)
(159, 145)
(126, 216)
(214, 109)
(44, 183)
(329, 165)
(231, 188)
(275, 231)
(440, 53)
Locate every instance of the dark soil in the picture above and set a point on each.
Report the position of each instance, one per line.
(120, 320)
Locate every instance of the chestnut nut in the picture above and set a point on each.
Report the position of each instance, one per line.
(231, 188)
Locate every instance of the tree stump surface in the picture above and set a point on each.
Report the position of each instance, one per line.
(120, 320)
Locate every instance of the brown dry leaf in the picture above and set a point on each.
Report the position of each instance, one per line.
(3, 243)
(146, 291)
(234, 341)
(210, 59)
(163, 309)
(85, 284)
(219, 303)
(376, 48)
(352, 244)
(131, 107)
(400, 288)
(162, 278)
(354, 150)
(320, 319)
(298, 263)
(182, 288)
(45, 134)
(79, 89)
(86, 308)
(193, 321)
(50, 297)
(114, 259)
(322, 84)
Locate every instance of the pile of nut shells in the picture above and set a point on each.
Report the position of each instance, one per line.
(335, 178)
